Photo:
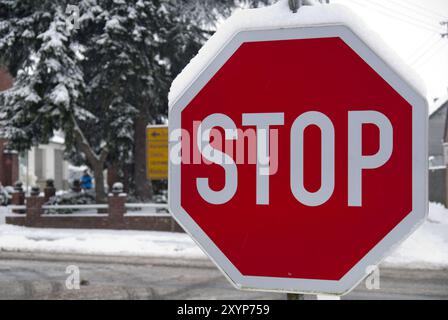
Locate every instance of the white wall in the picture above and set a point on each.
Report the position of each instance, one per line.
(48, 167)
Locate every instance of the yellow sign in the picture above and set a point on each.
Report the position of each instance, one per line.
(157, 152)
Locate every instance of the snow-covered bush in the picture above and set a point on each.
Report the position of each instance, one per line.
(70, 198)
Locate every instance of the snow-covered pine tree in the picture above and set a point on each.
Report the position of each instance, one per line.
(122, 65)
(47, 89)
(20, 22)
(100, 84)
(191, 23)
(50, 94)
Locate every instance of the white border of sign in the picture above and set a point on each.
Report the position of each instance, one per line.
(419, 158)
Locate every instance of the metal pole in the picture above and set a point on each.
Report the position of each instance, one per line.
(295, 5)
(445, 134)
(295, 296)
(444, 23)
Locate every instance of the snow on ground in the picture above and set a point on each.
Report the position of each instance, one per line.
(3, 211)
(426, 248)
(99, 242)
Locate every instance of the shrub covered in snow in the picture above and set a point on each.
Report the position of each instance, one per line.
(70, 198)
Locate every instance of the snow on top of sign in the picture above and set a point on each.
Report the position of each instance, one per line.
(279, 15)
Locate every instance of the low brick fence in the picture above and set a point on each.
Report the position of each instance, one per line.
(33, 215)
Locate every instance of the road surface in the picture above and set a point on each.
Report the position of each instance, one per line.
(43, 276)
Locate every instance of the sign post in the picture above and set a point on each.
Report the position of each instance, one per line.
(292, 172)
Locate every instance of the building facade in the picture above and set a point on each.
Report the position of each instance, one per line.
(45, 162)
(437, 131)
(437, 135)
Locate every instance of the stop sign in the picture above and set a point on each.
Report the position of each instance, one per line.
(298, 157)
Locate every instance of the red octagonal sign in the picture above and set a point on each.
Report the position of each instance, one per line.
(298, 158)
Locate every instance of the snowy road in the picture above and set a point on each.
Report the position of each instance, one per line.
(161, 265)
(427, 248)
(42, 276)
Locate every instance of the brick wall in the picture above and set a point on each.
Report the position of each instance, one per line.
(6, 80)
(100, 222)
(116, 217)
(10, 165)
(9, 162)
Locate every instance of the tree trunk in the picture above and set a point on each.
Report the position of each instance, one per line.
(143, 186)
(98, 174)
(96, 162)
